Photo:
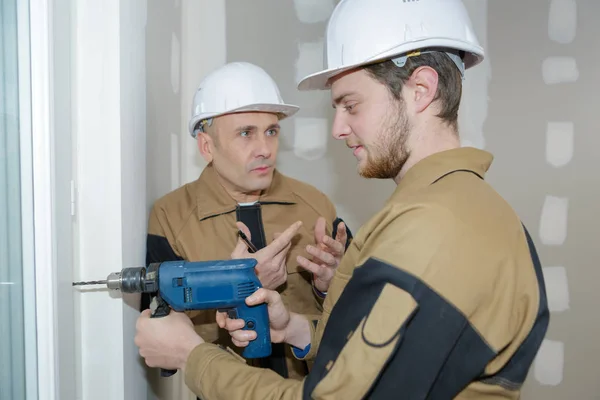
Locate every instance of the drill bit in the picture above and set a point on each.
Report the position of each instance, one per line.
(90, 283)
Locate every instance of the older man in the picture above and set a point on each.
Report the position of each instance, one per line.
(235, 120)
(441, 294)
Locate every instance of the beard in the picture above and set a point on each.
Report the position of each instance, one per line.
(386, 158)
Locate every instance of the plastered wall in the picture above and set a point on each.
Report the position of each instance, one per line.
(531, 103)
(542, 127)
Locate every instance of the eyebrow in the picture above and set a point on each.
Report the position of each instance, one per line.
(254, 127)
(340, 98)
(246, 128)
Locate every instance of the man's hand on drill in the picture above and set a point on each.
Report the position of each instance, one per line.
(166, 342)
(271, 267)
(286, 327)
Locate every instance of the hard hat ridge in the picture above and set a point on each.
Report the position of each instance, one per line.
(361, 32)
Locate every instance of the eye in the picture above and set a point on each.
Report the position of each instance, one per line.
(245, 133)
(272, 132)
(349, 107)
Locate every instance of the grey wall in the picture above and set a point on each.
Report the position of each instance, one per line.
(163, 125)
(288, 48)
(551, 178)
(163, 104)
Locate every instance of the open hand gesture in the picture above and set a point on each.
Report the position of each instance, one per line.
(326, 254)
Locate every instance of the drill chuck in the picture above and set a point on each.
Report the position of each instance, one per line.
(130, 280)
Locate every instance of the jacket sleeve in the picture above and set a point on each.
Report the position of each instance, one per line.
(216, 373)
(158, 245)
(213, 373)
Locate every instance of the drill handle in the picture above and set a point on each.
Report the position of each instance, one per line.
(160, 309)
(256, 319)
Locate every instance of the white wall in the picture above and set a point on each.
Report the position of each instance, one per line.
(109, 124)
(67, 353)
(203, 49)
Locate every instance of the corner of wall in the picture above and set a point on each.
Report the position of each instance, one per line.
(203, 49)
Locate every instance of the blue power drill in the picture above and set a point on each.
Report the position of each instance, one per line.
(204, 285)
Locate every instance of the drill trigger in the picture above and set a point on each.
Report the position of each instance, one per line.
(231, 312)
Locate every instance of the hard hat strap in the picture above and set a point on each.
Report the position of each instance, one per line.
(203, 123)
(401, 61)
(200, 126)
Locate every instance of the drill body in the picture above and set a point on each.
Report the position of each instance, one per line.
(202, 285)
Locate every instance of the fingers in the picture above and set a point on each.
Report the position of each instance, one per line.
(279, 258)
(239, 337)
(324, 256)
(320, 231)
(335, 246)
(241, 249)
(309, 265)
(244, 338)
(263, 295)
(242, 227)
(143, 315)
(233, 325)
(341, 235)
(221, 319)
(280, 243)
(227, 323)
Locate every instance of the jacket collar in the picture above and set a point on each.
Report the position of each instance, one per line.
(437, 165)
(212, 199)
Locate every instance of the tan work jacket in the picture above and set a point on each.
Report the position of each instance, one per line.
(439, 296)
(197, 223)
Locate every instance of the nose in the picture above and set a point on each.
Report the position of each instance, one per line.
(340, 129)
(262, 147)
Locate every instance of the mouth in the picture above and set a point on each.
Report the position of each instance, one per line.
(356, 149)
(262, 169)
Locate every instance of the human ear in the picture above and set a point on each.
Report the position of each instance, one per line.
(205, 146)
(424, 86)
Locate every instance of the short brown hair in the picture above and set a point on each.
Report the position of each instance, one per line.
(449, 89)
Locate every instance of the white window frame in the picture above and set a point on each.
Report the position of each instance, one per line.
(37, 182)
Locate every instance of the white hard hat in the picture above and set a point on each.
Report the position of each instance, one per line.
(361, 32)
(237, 87)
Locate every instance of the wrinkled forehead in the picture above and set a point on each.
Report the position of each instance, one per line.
(258, 120)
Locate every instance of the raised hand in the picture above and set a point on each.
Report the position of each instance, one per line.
(271, 267)
(326, 254)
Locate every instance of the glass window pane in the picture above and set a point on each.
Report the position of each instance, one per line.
(12, 328)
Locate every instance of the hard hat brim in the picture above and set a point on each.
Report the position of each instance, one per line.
(286, 110)
(319, 80)
(474, 55)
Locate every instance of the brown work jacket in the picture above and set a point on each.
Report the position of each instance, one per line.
(439, 296)
(197, 223)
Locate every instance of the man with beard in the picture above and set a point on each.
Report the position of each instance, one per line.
(235, 121)
(441, 294)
